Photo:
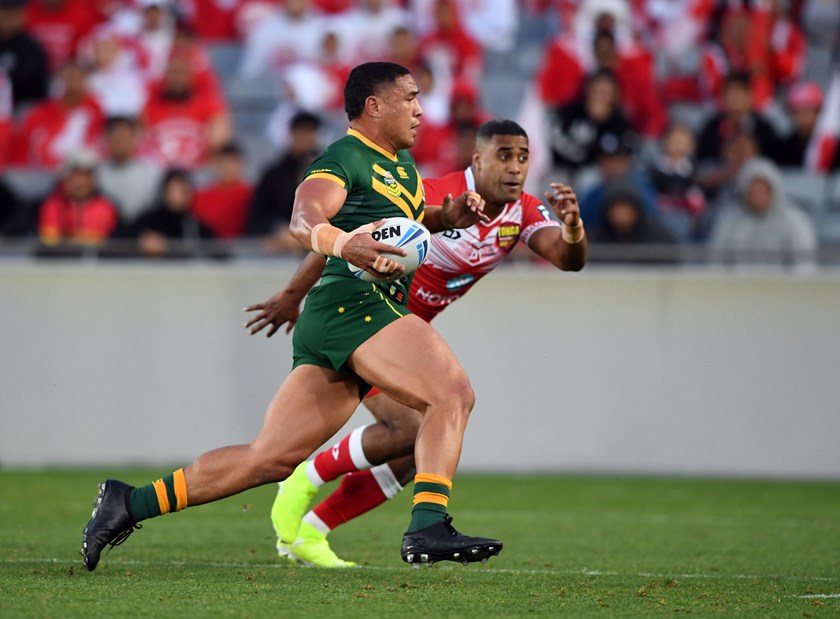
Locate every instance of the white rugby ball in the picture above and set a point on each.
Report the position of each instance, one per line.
(410, 235)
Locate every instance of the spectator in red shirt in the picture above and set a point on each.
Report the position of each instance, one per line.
(182, 124)
(5, 118)
(452, 44)
(76, 212)
(742, 46)
(577, 52)
(154, 34)
(59, 25)
(187, 45)
(639, 97)
(367, 28)
(404, 48)
(804, 102)
(114, 79)
(222, 205)
(787, 45)
(213, 20)
(441, 148)
(60, 125)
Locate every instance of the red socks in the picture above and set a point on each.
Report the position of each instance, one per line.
(346, 456)
(357, 494)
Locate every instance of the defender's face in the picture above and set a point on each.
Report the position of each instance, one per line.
(401, 112)
(501, 167)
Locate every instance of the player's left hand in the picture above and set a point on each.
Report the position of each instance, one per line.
(280, 309)
(564, 203)
(463, 211)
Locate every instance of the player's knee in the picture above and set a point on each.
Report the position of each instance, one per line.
(457, 393)
(464, 391)
(268, 468)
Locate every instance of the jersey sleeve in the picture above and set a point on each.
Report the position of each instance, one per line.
(535, 216)
(329, 167)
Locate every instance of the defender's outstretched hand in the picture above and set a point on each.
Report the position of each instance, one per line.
(463, 211)
(282, 308)
(564, 203)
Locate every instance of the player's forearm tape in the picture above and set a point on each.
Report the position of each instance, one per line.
(574, 234)
(330, 241)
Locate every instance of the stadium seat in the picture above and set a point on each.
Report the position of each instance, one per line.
(690, 114)
(29, 184)
(833, 192)
(225, 59)
(806, 189)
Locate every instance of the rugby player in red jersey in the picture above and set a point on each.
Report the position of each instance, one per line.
(377, 460)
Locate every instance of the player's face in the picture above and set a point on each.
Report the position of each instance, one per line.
(501, 167)
(401, 112)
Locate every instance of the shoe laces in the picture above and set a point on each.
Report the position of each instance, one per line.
(119, 539)
(448, 523)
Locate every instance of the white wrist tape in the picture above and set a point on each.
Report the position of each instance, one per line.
(574, 234)
(328, 240)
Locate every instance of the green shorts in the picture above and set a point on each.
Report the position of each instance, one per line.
(338, 316)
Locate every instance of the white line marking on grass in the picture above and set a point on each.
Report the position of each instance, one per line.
(819, 596)
(653, 519)
(439, 566)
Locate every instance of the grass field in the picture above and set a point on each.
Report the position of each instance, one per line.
(574, 546)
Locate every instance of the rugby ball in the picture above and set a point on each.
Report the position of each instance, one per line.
(410, 235)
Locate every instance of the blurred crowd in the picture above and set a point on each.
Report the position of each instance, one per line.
(678, 122)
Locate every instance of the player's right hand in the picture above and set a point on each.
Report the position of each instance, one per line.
(366, 253)
(280, 309)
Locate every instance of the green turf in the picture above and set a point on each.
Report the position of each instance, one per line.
(574, 546)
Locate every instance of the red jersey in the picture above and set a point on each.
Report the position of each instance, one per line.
(224, 208)
(51, 130)
(459, 258)
(177, 129)
(89, 221)
(60, 30)
(6, 117)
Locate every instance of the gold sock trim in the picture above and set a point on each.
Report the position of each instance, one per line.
(433, 479)
(180, 483)
(431, 497)
(162, 497)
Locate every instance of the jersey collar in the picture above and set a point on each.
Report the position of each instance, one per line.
(370, 144)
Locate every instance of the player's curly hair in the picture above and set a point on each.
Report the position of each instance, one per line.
(366, 80)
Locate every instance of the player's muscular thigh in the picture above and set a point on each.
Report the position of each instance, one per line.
(410, 361)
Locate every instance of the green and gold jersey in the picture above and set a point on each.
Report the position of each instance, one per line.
(378, 184)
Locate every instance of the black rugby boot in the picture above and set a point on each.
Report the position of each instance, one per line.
(110, 523)
(442, 542)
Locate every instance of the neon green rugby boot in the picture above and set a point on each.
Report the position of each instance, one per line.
(312, 548)
(290, 504)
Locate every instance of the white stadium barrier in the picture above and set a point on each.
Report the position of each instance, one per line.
(656, 372)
